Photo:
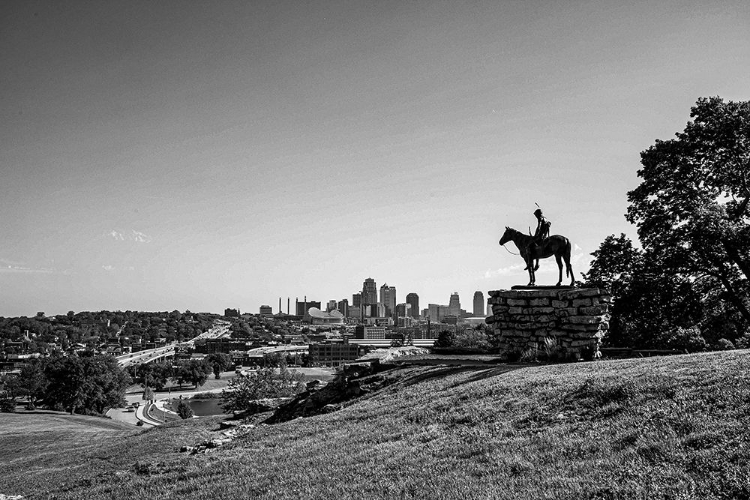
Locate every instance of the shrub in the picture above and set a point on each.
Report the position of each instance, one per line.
(471, 339)
(688, 339)
(551, 349)
(206, 395)
(530, 355)
(743, 342)
(7, 405)
(184, 410)
(445, 338)
(725, 345)
(148, 394)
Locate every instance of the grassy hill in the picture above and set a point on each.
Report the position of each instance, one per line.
(676, 427)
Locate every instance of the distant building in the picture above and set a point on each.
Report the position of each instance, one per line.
(221, 345)
(369, 292)
(331, 306)
(388, 299)
(356, 300)
(403, 310)
(478, 303)
(232, 313)
(413, 300)
(303, 307)
(315, 316)
(454, 306)
(333, 354)
(432, 330)
(343, 307)
(266, 310)
(436, 312)
(404, 321)
(369, 332)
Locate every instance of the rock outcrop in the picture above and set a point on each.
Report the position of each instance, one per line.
(355, 380)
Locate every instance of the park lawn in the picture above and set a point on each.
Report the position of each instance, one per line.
(675, 427)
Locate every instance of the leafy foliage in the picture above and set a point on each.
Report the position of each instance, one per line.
(219, 362)
(692, 207)
(89, 384)
(184, 410)
(244, 390)
(194, 371)
(691, 210)
(445, 338)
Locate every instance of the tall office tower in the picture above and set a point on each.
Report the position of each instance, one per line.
(388, 299)
(356, 300)
(454, 306)
(343, 307)
(437, 312)
(413, 299)
(369, 292)
(478, 303)
(331, 306)
(403, 310)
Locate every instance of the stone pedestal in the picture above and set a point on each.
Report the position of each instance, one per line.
(572, 320)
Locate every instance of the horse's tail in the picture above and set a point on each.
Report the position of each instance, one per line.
(567, 254)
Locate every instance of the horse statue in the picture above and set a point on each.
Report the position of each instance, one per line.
(556, 245)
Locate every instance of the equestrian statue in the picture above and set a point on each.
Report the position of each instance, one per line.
(540, 246)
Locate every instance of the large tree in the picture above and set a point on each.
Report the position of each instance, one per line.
(89, 384)
(691, 208)
(648, 302)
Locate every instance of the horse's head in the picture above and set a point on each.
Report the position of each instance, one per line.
(507, 236)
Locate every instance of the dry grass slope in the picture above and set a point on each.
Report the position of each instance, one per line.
(673, 427)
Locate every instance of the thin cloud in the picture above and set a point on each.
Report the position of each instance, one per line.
(134, 235)
(13, 266)
(504, 271)
(9, 266)
(108, 268)
(140, 237)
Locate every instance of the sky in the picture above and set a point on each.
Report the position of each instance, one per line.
(203, 155)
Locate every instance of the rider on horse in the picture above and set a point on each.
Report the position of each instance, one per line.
(541, 233)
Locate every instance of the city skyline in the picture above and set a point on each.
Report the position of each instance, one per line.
(162, 156)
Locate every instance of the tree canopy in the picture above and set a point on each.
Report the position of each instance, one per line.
(692, 273)
(691, 208)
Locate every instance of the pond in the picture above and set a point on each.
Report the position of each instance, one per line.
(203, 407)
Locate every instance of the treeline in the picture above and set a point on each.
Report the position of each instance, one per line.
(156, 376)
(86, 384)
(92, 329)
(688, 285)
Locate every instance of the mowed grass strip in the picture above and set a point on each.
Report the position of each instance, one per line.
(676, 427)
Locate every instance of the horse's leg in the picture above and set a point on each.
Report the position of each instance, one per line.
(568, 267)
(530, 267)
(558, 258)
(536, 266)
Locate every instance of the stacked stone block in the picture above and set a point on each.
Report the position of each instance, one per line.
(576, 318)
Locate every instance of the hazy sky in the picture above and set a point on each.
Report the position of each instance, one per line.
(200, 155)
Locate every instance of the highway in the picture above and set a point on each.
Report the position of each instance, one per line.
(218, 330)
(145, 356)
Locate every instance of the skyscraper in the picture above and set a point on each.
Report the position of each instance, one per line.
(343, 307)
(369, 294)
(388, 298)
(454, 306)
(478, 303)
(413, 299)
